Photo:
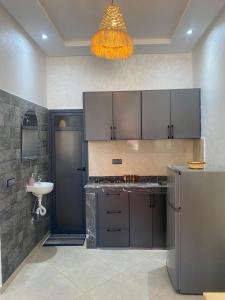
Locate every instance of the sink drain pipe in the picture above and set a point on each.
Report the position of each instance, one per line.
(41, 210)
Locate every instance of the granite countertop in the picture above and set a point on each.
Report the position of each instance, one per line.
(136, 185)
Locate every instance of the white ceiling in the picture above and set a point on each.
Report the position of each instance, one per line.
(144, 18)
(157, 26)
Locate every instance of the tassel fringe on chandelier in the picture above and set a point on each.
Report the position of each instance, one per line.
(112, 41)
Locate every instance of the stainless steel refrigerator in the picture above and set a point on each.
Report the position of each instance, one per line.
(196, 229)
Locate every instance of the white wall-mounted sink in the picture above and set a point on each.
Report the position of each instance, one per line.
(40, 188)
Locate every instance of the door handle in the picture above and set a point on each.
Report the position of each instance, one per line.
(81, 169)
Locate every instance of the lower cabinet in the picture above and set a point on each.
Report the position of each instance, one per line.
(135, 219)
(159, 220)
(113, 219)
(141, 220)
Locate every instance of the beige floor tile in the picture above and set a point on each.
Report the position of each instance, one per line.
(171, 295)
(64, 259)
(10, 296)
(118, 288)
(159, 255)
(120, 259)
(91, 274)
(77, 273)
(41, 281)
(143, 274)
(83, 297)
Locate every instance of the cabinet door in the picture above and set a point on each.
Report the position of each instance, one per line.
(156, 115)
(127, 115)
(159, 220)
(98, 116)
(113, 219)
(140, 220)
(185, 114)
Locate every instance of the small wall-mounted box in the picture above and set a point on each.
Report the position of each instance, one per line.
(117, 161)
(10, 182)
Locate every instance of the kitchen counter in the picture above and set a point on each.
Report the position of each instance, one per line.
(126, 186)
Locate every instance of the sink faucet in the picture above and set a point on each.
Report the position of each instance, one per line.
(39, 179)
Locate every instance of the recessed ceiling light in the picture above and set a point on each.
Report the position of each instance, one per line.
(190, 31)
(44, 36)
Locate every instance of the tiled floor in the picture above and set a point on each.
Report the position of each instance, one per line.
(75, 273)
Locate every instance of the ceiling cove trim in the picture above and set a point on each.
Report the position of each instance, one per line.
(155, 41)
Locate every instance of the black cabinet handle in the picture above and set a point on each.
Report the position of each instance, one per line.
(113, 229)
(111, 129)
(168, 131)
(172, 131)
(114, 132)
(113, 212)
(81, 169)
(112, 194)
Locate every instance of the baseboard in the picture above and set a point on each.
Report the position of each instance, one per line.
(23, 263)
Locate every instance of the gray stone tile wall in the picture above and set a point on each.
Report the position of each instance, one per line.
(18, 233)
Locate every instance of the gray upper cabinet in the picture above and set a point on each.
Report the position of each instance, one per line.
(98, 116)
(159, 114)
(185, 114)
(127, 115)
(156, 114)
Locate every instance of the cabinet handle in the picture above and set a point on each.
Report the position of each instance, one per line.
(112, 194)
(81, 169)
(168, 131)
(113, 229)
(111, 130)
(172, 131)
(114, 132)
(113, 212)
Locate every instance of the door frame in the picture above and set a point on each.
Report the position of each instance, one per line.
(51, 160)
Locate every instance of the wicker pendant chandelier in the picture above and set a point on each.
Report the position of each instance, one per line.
(112, 41)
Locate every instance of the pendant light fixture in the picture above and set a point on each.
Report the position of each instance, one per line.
(112, 41)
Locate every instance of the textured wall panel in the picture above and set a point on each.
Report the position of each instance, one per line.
(18, 234)
(69, 77)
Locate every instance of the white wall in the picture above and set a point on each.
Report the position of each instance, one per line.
(209, 74)
(68, 77)
(22, 64)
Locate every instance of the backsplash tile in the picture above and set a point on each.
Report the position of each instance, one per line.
(18, 234)
(143, 158)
